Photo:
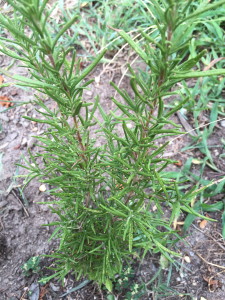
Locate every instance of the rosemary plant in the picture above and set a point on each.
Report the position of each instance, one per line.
(105, 194)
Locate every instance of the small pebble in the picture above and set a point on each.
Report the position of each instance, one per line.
(44, 207)
(14, 92)
(216, 152)
(31, 142)
(4, 145)
(154, 208)
(97, 80)
(13, 135)
(182, 275)
(16, 120)
(42, 188)
(222, 123)
(6, 281)
(24, 142)
(54, 288)
(4, 118)
(187, 259)
(3, 203)
(26, 124)
(2, 135)
(89, 93)
(183, 111)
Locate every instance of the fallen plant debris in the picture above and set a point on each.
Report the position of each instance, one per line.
(43, 291)
(203, 224)
(178, 163)
(5, 101)
(213, 284)
(1, 79)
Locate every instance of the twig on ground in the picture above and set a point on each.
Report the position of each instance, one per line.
(3, 228)
(209, 263)
(24, 293)
(188, 132)
(100, 291)
(185, 124)
(25, 210)
(221, 246)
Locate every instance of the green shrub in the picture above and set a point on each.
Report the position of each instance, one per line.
(105, 194)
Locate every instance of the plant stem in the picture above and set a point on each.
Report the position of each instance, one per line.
(79, 138)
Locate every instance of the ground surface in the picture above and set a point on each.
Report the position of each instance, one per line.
(199, 273)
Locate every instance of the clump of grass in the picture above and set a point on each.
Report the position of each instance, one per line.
(206, 106)
(94, 31)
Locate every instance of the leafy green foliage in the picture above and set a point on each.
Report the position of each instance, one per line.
(31, 266)
(125, 283)
(105, 195)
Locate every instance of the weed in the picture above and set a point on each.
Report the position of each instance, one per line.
(32, 266)
(126, 285)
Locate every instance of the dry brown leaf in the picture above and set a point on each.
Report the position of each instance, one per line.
(212, 63)
(178, 163)
(17, 147)
(1, 79)
(213, 284)
(203, 223)
(43, 292)
(5, 101)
